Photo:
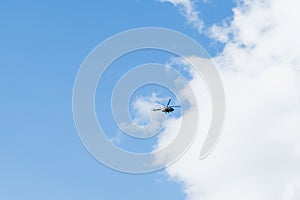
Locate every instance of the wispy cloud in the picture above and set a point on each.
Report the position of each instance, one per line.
(117, 138)
(187, 9)
(145, 122)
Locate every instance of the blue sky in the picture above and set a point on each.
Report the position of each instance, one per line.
(43, 44)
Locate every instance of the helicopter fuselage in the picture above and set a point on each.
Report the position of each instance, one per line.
(168, 109)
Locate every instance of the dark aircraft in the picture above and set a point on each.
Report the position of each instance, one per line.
(166, 109)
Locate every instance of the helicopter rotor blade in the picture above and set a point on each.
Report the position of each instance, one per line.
(174, 106)
(159, 103)
(168, 102)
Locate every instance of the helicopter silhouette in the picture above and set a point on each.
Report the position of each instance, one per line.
(166, 108)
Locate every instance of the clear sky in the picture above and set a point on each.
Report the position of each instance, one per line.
(43, 44)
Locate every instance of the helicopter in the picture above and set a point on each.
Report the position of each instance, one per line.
(166, 108)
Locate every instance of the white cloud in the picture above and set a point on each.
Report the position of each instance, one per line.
(187, 9)
(199, 111)
(258, 156)
(145, 122)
